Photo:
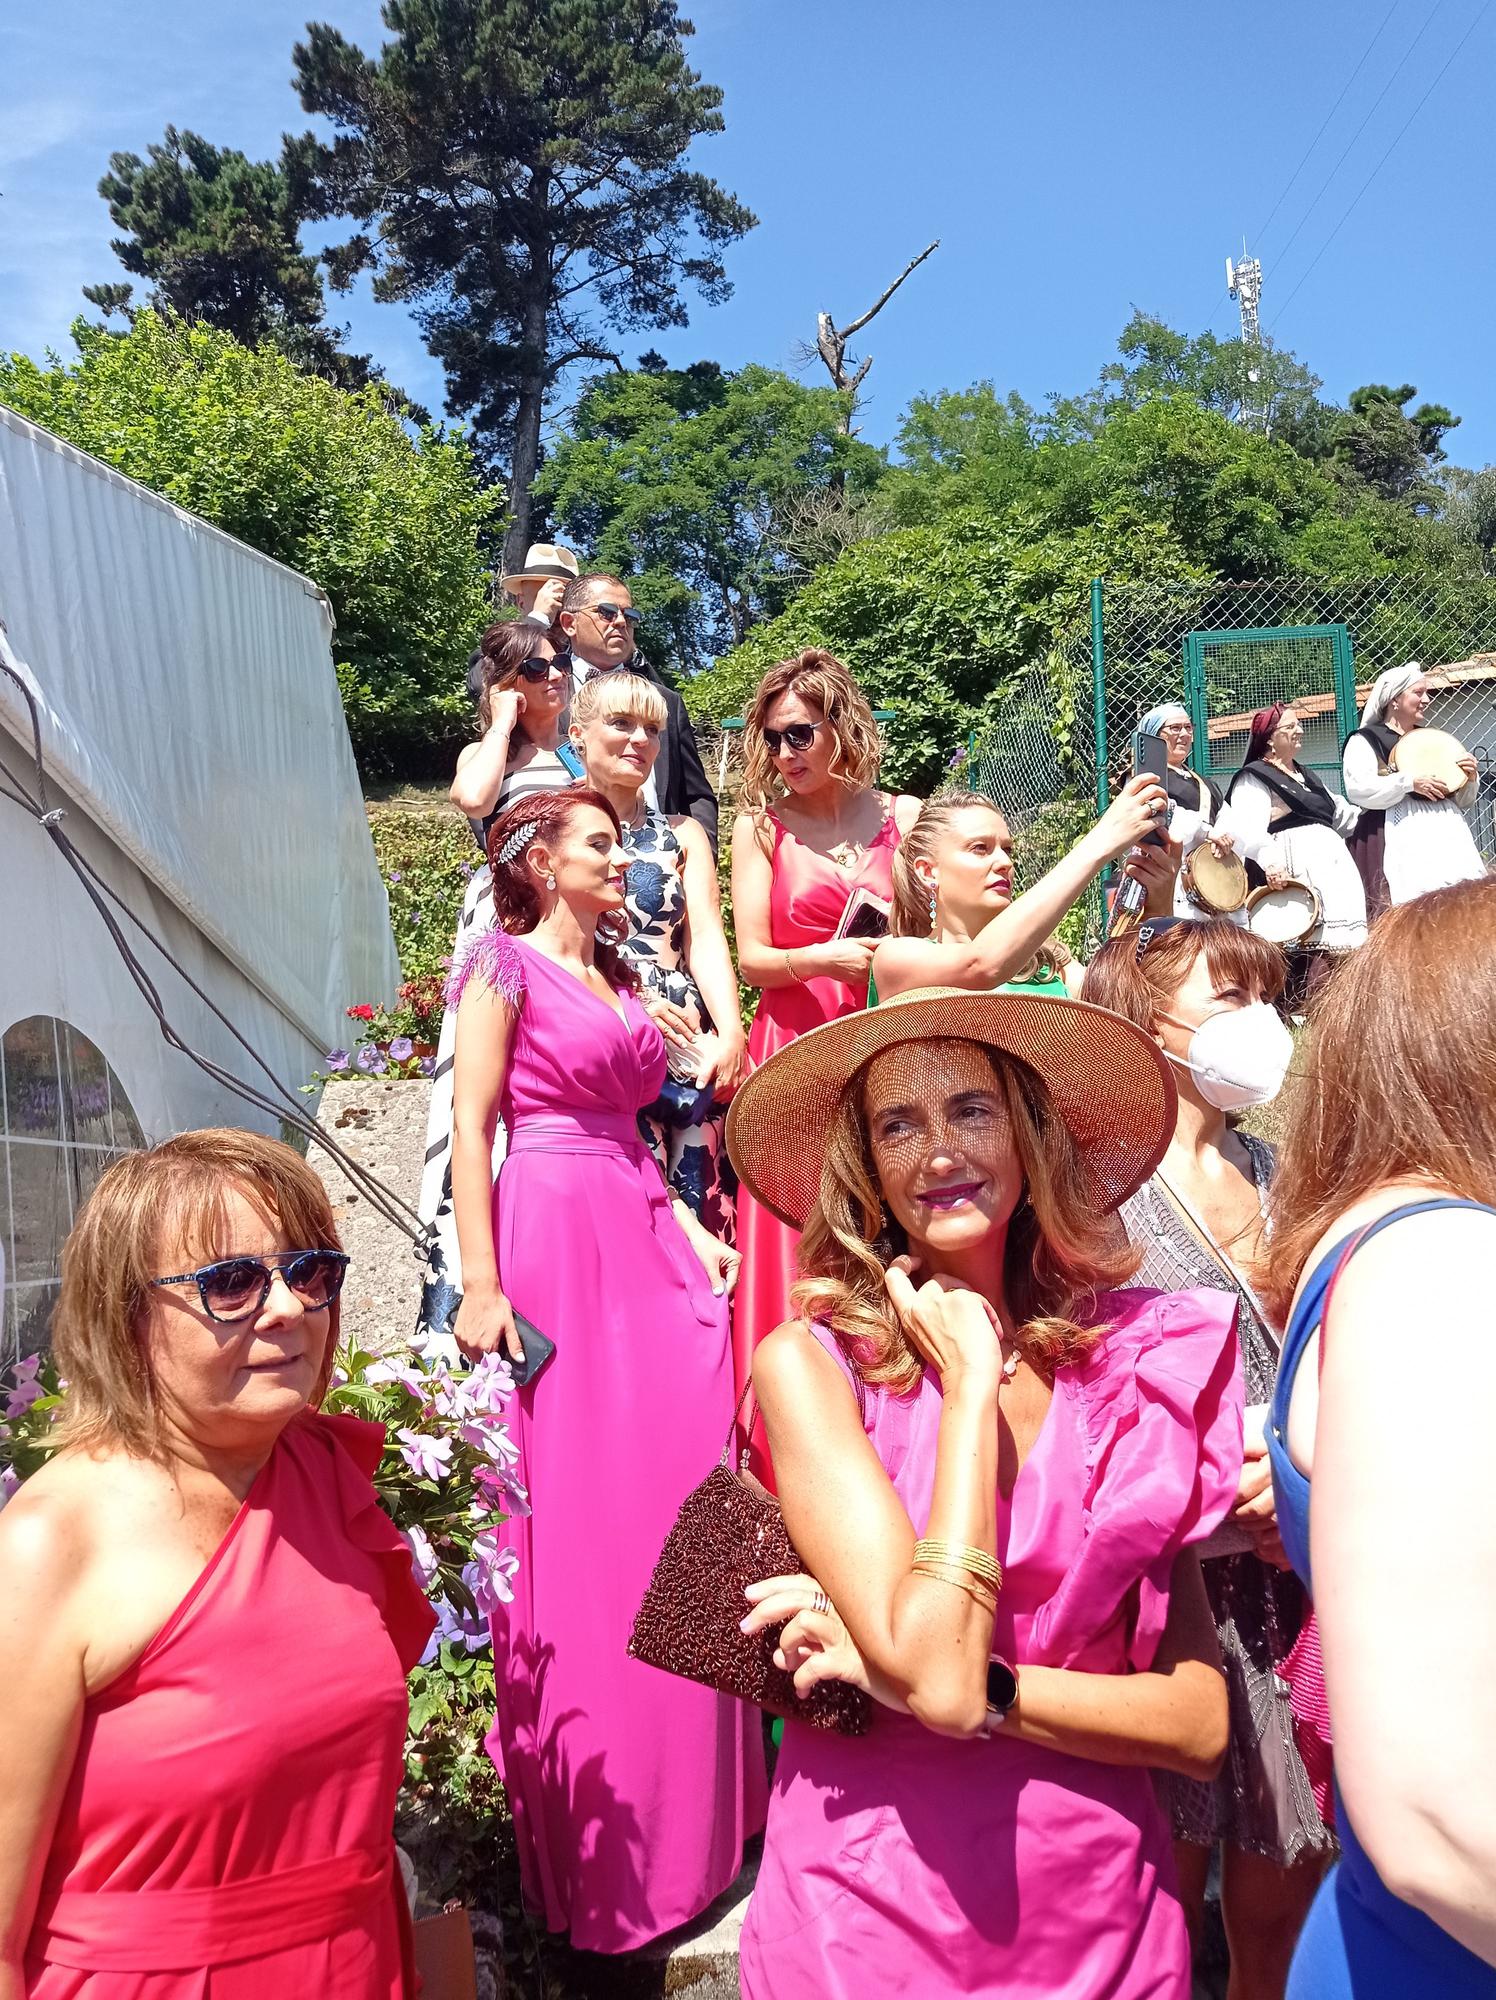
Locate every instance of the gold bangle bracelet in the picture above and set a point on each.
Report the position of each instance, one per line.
(791, 970)
(979, 1592)
(959, 1555)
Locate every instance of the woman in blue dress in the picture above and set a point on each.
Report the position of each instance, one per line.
(1382, 1252)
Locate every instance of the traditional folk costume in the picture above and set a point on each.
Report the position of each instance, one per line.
(1292, 824)
(1196, 805)
(1403, 845)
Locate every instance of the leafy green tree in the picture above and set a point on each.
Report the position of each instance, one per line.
(961, 449)
(1156, 360)
(678, 478)
(326, 480)
(520, 169)
(936, 621)
(217, 235)
(1470, 509)
(1382, 445)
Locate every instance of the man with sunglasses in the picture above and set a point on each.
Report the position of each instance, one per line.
(599, 621)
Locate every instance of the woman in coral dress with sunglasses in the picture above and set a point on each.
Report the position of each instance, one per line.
(814, 829)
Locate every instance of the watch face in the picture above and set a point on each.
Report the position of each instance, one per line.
(1002, 1685)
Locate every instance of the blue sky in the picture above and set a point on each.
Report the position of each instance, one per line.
(1075, 158)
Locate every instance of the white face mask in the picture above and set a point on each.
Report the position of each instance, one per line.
(1239, 1056)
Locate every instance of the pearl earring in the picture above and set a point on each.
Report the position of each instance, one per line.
(550, 881)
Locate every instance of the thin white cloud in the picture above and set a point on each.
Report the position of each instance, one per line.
(31, 129)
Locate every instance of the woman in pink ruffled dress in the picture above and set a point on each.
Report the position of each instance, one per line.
(632, 1793)
(997, 1468)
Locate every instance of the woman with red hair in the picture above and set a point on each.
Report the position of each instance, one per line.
(1281, 816)
(632, 1792)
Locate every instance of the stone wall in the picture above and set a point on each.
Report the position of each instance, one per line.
(382, 1125)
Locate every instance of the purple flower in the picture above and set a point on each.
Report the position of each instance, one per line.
(957, 761)
(422, 1556)
(22, 1397)
(369, 1059)
(415, 916)
(489, 1576)
(489, 1382)
(338, 1059)
(10, 1481)
(427, 1065)
(402, 1048)
(427, 1457)
(394, 876)
(390, 1370)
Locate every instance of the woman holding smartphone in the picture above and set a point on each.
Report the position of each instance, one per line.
(632, 1792)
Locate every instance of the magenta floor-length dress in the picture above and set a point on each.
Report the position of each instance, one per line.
(901, 1863)
(632, 1792)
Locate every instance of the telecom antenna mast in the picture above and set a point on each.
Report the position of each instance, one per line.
(1244, 283)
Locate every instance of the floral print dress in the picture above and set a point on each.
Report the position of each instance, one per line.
(693, 1157)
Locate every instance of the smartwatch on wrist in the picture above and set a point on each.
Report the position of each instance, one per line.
(1002, 1691)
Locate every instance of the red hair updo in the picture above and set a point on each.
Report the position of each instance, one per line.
(541, 820)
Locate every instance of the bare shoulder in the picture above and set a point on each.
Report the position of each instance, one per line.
(906, 810)
(793, 1372)
(751, 834)
(58, 1524)
(691, 834)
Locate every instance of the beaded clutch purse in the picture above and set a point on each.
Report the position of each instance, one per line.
(730, 1533)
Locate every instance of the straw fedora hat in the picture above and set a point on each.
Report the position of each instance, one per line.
(1108, 1081)
(542, 561)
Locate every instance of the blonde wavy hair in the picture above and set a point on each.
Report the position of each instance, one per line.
(618, 693)
(910, 916)
(822, 682)
(1060, 1252)
(148, 1205)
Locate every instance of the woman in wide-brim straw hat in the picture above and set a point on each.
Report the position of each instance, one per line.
(985, 1454)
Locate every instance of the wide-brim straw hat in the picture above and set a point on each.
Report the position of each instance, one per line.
(1109, 1083)
(544, 560)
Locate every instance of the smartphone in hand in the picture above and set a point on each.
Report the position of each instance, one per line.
(1150, 759)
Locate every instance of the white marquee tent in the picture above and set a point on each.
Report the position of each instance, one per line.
(193, 734)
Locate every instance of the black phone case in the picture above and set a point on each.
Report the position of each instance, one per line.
(538, 1351)
(1152, 762)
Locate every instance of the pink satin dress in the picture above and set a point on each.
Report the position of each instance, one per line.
(228, 1828)
(632, 1791)
(902, 1862)
(806, 901)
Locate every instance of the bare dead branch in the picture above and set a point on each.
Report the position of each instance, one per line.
(913, 265)
(848, 375)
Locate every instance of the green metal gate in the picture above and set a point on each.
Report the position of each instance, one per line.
(1228, 674)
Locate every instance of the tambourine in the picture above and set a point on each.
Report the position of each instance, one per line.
(1430, 753)
(1284, 916)
(1214, 882)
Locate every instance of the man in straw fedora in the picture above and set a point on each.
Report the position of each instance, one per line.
(539, 587)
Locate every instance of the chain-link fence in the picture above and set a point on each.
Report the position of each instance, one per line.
(1060, 740)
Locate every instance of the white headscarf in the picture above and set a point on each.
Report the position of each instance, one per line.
(1153, 722)
(1396, 681)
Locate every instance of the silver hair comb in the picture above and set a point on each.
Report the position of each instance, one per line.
(517, 842)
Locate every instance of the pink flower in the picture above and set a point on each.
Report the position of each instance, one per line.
(428, 1457)
(20, 1399)
(422, 1556)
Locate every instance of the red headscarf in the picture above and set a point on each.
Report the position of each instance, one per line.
(1264, 722)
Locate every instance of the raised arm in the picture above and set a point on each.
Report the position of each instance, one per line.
(1401, 1520)
(481, 766)
(925, 1641)
(485, 1025)
(1006, 944)
(42, 1672)
(708, 959)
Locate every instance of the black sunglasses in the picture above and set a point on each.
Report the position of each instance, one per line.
(608, 612)
(537, 669)
(798, 736)
(238, 1287)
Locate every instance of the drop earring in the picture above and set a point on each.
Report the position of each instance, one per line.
(934, 914)
(550, 881)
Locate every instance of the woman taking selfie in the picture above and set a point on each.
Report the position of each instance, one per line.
(814, 832)
(208, 1620)
(955, 920)
(675, 942)
(1384, 1214)
(986, 1455)
(1205, 990)
(631, 1793)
